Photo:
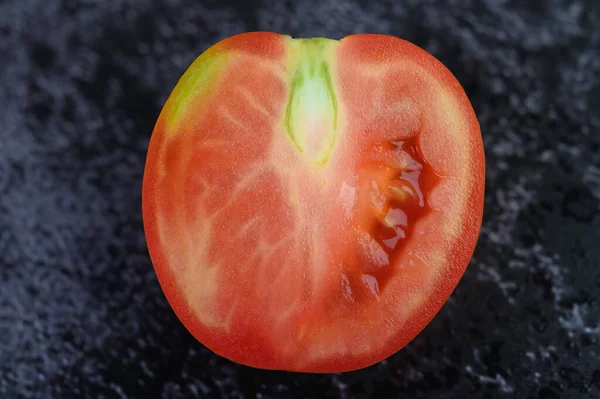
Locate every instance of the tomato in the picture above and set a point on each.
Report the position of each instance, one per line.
(310, 204)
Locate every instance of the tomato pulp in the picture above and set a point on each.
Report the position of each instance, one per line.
(310, 204)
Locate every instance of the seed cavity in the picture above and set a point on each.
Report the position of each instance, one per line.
(387, 196)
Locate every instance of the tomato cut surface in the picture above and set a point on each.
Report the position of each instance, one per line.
(310, 204)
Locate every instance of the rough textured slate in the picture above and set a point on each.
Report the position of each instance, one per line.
(81, 312)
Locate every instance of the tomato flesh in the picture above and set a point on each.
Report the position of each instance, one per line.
(310, 204)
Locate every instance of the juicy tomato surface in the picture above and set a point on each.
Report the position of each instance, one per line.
(310, 204)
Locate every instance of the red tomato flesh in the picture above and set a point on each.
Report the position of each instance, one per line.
(310, 204)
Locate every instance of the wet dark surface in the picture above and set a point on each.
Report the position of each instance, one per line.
(81, 312)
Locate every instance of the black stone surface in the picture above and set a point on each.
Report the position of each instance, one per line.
(81, 312)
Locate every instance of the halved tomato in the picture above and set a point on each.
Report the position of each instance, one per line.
(310, 204)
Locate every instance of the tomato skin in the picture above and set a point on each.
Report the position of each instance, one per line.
(248, 339)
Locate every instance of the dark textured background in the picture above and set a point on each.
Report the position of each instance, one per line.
(81, 312)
